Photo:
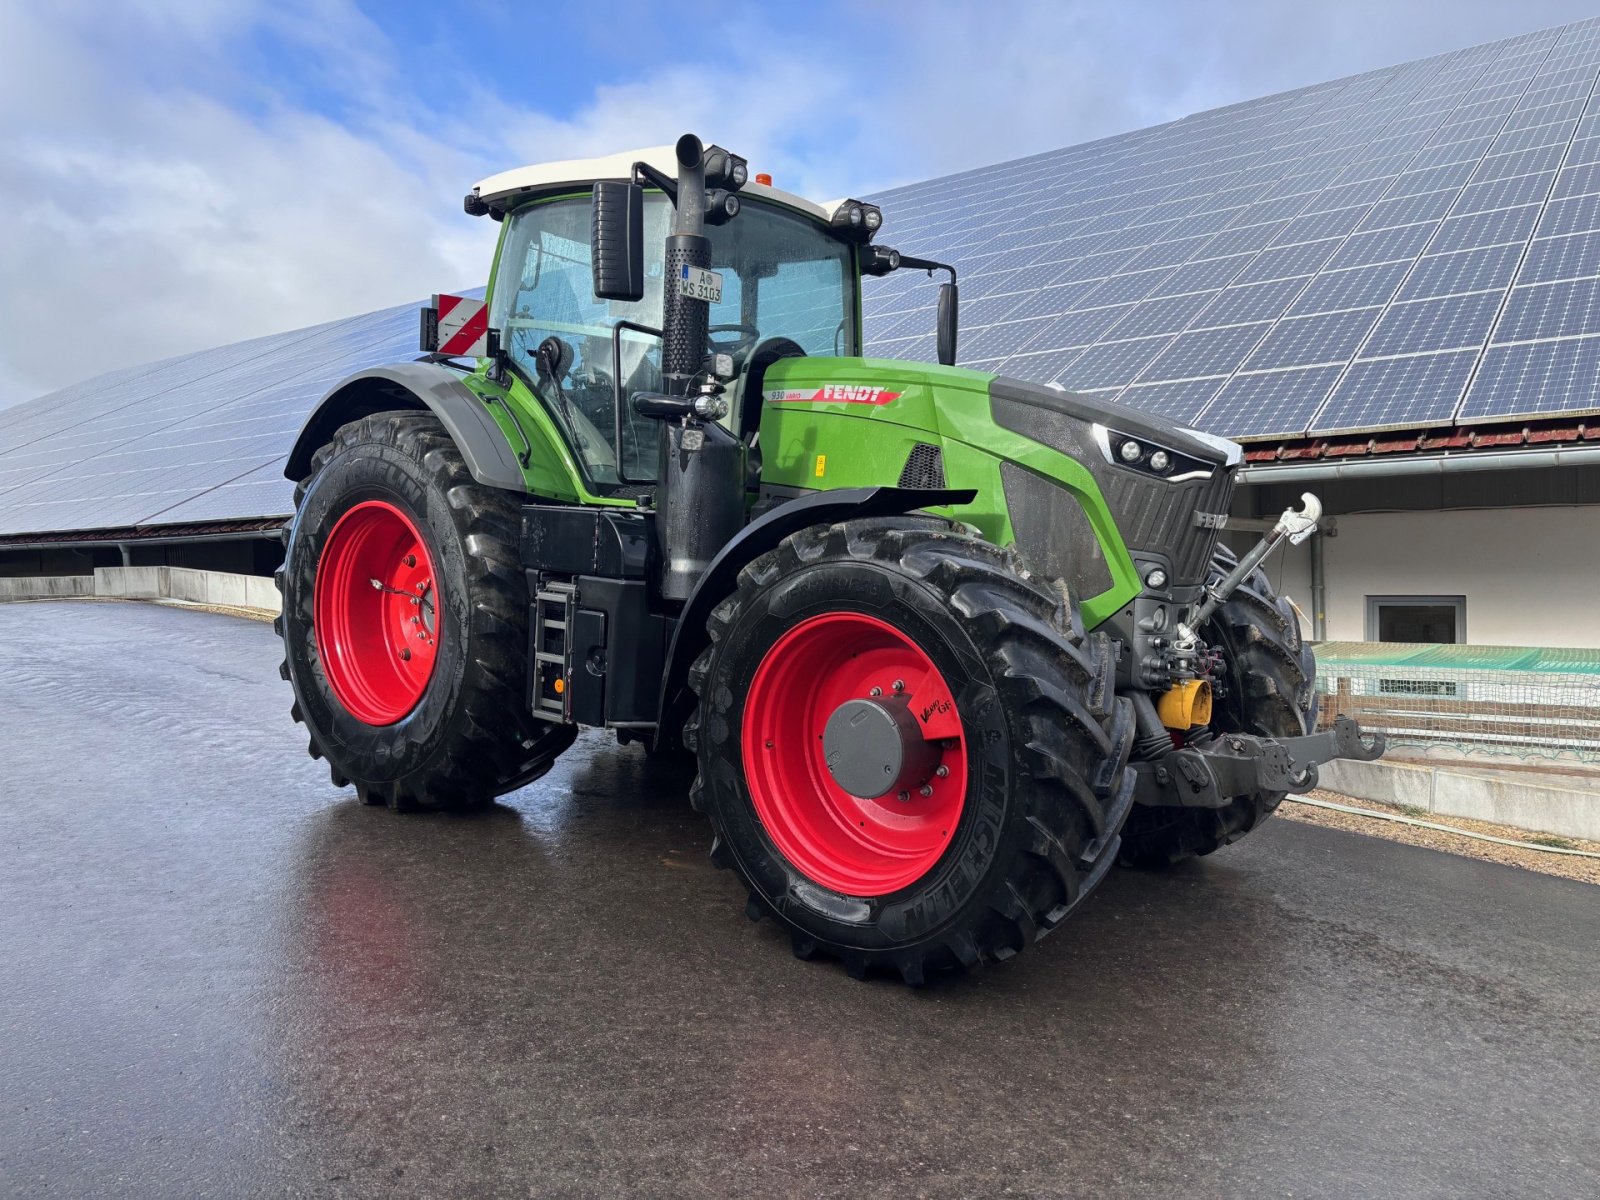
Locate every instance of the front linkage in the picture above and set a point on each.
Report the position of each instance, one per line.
(1202, 769)
(1209, 773)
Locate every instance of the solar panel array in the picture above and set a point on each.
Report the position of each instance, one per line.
(1411, 247)
(199, 438)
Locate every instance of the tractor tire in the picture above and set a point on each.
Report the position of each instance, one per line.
(1268, 691)
(1019, 818)
(405, 622)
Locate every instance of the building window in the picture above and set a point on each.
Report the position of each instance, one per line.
(1416, 618)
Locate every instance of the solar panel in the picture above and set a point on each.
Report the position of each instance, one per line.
(1568, 257)
(1206, 352)
(1418, 389)
(1547, 378)
(1573, 307)
(1269, 402)
(1302, 341)
(1110, 364)
(1448, 323)
(1463, 271)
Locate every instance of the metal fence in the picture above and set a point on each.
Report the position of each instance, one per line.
(1517, 701)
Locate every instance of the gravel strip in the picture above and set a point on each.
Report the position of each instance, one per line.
(1567, 866)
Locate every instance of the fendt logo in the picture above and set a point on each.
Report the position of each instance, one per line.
(836, 393)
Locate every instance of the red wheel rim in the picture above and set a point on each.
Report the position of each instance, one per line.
(857, 846)
(376, 612)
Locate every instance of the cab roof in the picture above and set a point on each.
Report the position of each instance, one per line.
(509, 188)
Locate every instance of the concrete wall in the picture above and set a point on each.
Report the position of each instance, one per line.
(42, 586)
(182, 583)
(151, 583)
(1559, 804)
(1530, 575)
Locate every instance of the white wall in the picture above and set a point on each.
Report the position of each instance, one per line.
(1531, 576)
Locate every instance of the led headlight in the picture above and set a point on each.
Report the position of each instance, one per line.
(1160, 460)
(1130, 451)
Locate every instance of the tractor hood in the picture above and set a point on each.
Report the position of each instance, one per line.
(1051, 404)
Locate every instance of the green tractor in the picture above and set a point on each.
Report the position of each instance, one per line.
(944, 646)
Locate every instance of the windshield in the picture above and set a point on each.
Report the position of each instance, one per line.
(782, 276)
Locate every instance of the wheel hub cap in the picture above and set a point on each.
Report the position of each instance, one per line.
(875, 747)
(376, 612)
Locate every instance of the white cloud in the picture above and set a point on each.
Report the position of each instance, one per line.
(144, 220)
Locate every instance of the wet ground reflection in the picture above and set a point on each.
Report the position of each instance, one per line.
(224, 976)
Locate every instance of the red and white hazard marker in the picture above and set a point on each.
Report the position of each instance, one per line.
(463, 326)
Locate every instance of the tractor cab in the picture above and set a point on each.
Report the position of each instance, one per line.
(784, 279)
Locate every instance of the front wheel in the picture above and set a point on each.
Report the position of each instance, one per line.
(405, 616)
(909, 751)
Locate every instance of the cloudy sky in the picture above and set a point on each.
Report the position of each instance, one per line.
(175, 174)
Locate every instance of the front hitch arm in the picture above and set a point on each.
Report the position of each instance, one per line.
(1211, 773)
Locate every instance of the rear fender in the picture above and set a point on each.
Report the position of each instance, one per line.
(415, 385)
(689, 638)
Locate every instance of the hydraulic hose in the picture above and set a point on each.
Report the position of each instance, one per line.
(1151, 739)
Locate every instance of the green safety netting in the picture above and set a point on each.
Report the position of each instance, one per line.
(1518, 701)
(1474, 658)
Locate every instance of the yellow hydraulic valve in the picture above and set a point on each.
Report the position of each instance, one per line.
(1185, 705)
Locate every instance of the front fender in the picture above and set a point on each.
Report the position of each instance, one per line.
(417, 385)
(689, 638)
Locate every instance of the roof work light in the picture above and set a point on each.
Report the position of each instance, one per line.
(857, 221)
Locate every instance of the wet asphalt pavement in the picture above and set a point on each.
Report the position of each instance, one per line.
(221, 976)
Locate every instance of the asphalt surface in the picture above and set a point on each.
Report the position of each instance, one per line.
(219, 975)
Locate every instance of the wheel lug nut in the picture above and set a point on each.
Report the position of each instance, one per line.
(411, 560)
(925, 791)
(405, 654)
(905, 796)
(899, 685)
(875, 692)
(943, 772)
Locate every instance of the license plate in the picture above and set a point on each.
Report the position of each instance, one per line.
(698, 284)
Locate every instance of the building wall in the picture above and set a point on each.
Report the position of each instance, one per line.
(1531, 576)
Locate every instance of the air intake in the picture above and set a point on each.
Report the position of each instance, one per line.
(924, 467)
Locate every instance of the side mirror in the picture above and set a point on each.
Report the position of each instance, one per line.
(616, 245)
(947, 324)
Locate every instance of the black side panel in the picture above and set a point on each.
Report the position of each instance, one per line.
(620, 647)
(761, 535)
(1053, 531)
(588, 687)
(585, 541)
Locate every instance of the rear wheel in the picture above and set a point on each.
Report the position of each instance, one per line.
(909, 751)
(1268, 690)
(405, 621)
